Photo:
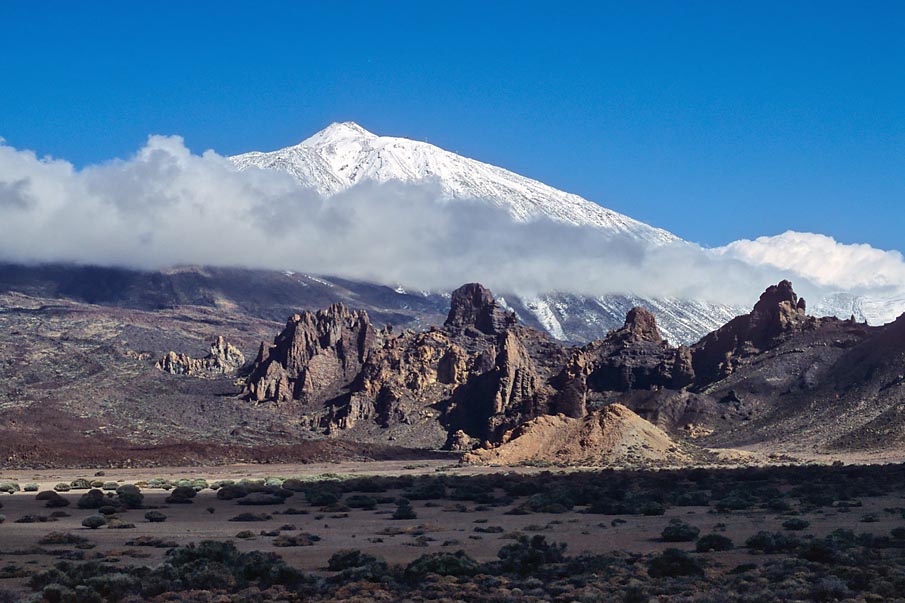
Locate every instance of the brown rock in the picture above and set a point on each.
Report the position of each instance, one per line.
(777, 315)
(641, 325)
(223, 359)
(472, 305)
(315, 355)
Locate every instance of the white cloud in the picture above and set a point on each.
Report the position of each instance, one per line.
(167, 206)
(823, 260)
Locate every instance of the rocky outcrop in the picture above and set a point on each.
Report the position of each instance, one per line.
(481, 378)
(480, 373)
(632, 357)
(613, 435)
(640, 325)
(778, 314)
(472, 307)
(224, 359)
(316, 355)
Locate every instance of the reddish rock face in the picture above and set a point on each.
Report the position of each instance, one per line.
(641, 325)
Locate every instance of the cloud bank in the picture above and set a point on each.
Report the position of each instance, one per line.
(167, 206)
(823, 260)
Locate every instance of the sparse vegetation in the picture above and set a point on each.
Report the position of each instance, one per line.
(155, 517)
(94, 521)
(404, 510)
(679, 531)
(789, 563)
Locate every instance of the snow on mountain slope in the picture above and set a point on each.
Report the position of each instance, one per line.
(874, 310)
(579, 318)
(344, 154)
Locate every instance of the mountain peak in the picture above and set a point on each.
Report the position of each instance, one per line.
(339, 131)
(344, 154)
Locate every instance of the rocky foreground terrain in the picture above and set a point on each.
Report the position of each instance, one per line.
(112, 378)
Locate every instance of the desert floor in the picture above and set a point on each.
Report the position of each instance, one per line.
(441, 525)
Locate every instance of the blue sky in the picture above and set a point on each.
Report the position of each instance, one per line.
(714, 120)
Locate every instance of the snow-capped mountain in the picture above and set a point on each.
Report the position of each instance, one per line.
(344, 154)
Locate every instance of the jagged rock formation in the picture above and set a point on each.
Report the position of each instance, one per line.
(482, 380)
(473, 306)
(223, 359)
(777, 315)
(316, 355)
(633, 357)
(480, 373)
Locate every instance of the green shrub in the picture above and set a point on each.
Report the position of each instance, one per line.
(443, 564)
(62, 488)
(361, 501)
(155, 517)
(829, 588)
(260, 499)
(30, 487)
(231, 492)
(679, 531)
(526, 556)
(52, 499)
(348, 559)
(181, 495)
(652, 508)
(93, 499)
(251, 517)
(696, 498)
(94, 521)
(776, 542)
(57, 538)
(673, 563)
(795, 524)
(735, 501)
(285, 540)
(713, 542)
(404, 510)
(550, 502)
(296, 485)
(778, 504)
(130, 496)
(426, 488)
(320, 497)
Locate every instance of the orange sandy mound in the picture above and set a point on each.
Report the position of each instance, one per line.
(613, 435)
